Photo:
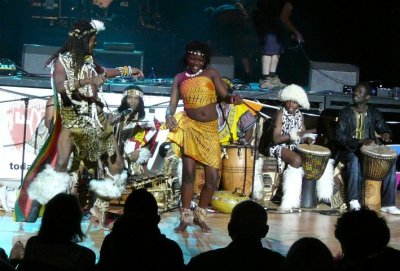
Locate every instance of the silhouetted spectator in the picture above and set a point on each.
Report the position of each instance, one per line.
(248, 225)
(364, 237)
(308, 254)
(55, 248)
(5, 265)
(136, 243)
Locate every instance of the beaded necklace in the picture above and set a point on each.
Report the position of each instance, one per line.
(193, 74)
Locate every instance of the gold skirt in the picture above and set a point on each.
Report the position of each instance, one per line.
(91, 143)
(198, 140)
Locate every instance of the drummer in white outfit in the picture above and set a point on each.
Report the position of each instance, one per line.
(287, 132)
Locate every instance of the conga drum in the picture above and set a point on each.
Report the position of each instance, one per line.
(237, 168)
(377, 160)
(314, 159)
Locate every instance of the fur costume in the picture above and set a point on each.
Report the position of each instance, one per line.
(258, 187)
(111, 187)
(325, 184)
(294, 93)
(292, 182)
(49, 183)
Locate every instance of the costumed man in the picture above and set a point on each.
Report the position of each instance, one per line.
(135, 133)
(287, 132)
(361, 124)
(80, 126)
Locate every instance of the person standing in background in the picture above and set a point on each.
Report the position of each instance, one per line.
(272, 22)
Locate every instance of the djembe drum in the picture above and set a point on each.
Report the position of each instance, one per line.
(377, 160)
(314, 159)
(237, 168)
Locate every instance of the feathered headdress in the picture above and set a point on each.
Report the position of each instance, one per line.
(294, 93)
(97, 25)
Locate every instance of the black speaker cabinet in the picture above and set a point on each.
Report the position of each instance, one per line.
(332, 76)
(34, 58)
(112, 59)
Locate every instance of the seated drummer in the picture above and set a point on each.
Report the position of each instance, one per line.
(361, 124)
(287, 132)
(135, 132)
(235, 122)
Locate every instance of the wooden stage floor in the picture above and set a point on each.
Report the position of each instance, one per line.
(284, 230)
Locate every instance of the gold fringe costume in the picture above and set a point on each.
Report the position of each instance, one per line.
(89, 130)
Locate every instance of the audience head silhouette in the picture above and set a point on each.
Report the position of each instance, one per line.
(142, 202)
(308, 253)
(61, 220)
(361, 233)
(248, 221)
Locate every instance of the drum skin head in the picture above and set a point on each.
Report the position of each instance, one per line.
(312, 148)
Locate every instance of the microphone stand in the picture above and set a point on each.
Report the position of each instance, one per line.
(26, 101)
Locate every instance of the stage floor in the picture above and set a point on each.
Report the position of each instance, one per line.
(284, 230)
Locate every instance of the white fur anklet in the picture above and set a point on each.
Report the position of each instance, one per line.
(49, 183)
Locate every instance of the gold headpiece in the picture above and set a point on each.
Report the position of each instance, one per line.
(198, 53)
(133, 92)
(96, 25)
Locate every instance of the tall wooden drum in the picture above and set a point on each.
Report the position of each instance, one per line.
(377, 160)
(237, 168)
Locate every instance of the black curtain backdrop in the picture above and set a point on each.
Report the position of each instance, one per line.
(365, 33)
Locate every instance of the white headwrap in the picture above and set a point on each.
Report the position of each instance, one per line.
(294, 93)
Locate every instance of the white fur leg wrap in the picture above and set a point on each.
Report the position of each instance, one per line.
(325, 183)
(144, 156)
(292, 180)
(258, 186)
(111, 187)
(49, 183)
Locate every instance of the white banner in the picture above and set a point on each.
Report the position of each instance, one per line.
(12, 119)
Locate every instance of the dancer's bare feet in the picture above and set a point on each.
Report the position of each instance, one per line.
(202, 225)
(18, 251)
(100, 215)
(181, 227)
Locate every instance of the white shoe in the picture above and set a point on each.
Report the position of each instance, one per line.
(354, 205)
(390, 210)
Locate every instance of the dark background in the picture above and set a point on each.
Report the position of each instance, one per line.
(365, 33)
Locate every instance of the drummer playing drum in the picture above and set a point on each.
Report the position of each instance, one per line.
(287, 132)
(361, 124)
